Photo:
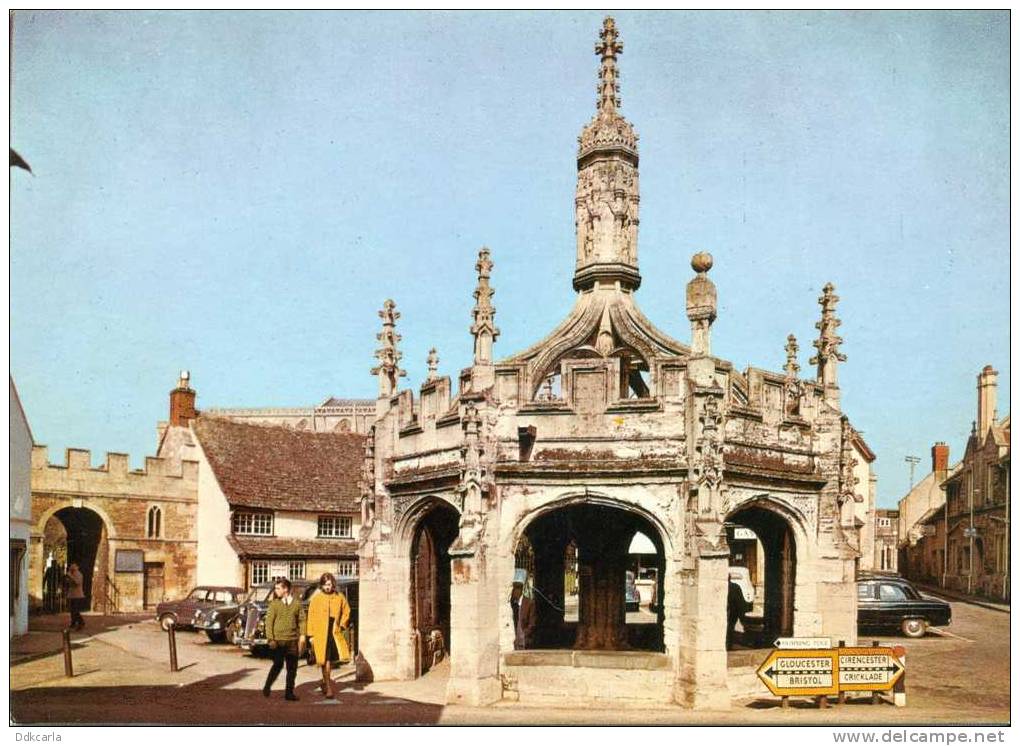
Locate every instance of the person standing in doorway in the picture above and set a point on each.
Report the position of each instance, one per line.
(74, 584)
(285, 631)
(522, 606)
(328, 616)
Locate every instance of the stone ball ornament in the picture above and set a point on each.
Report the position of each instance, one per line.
(701, 262)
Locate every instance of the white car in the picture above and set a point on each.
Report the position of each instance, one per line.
(740, 577)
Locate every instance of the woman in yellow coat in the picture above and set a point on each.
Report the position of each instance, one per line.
(328, 616)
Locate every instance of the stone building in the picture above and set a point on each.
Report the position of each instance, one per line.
(552, 459)
(332, 415)
(275, 501)
(921, 523)
(21, 513)
(132, 532)
(977, 503)
(886, 540)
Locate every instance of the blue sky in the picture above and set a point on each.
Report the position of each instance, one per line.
(236, 194)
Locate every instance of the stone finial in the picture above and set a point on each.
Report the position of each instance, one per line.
(433, 363)
(828, 341)
(792, 368)
(607, 198)
(484, 327)
(701, 305)
(608, 48)
(388, 370)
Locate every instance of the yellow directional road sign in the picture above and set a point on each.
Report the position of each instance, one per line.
(868, 669)
(800, 673)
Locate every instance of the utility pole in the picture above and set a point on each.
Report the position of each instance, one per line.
(913, 461)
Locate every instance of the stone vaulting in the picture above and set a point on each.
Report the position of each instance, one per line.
(551, 460)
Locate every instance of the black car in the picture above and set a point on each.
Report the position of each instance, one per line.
(218, 622)
(891, 602)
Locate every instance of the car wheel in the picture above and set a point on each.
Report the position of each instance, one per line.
(914, 627)
(167, 621)
(216, 636)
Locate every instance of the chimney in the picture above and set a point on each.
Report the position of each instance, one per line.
(940, 461)
(182, 402)
(987, 384)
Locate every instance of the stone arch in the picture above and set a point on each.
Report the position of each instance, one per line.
(85, 541)
(428, 529)
(595, 531)
(782, 540)
(592, 498)
(111, 529)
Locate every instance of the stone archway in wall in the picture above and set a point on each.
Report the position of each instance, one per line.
(79, 535)
(432, 535)
(763, 540)
(580, 568)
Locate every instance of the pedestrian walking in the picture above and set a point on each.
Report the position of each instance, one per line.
(74, 586)
(285, 632)
(328, 616)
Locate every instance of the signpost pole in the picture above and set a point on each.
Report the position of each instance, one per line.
(841, 699)
(900, 687)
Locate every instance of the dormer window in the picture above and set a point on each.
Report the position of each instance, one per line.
(253, 524)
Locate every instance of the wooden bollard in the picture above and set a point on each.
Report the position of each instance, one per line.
(823, 702)
(68, 664)
(172, 637)
(785, 703)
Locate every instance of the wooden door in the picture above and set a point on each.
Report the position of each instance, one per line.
(424, 601)
(153, 593)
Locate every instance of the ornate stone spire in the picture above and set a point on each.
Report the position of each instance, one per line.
(828, 341)
(606, 201)
(792, 368)
(484, 327)
(388, 355)
(433, 363)
(701, 305)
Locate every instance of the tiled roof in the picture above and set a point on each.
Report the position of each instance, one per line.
(277, 468)
(267, 546)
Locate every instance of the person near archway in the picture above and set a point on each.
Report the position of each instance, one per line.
(74, 584)
(522, 605)
(328, 616)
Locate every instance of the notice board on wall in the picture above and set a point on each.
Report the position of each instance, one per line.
(129, 560)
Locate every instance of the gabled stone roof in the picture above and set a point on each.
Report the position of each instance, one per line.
(277, 468)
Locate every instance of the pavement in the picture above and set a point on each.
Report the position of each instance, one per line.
(121, 675)
(951, 595)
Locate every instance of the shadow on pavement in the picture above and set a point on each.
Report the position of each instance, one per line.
(210, 702)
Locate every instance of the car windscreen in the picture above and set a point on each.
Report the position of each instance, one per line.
(198, 594)
(221, 597)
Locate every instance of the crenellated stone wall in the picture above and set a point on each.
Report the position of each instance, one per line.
(121, 498)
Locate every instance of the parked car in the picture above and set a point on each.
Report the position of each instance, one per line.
(218, 621)
(631, 595)
(741, 577)
(182, 613)
(248, 629)
(892, 602)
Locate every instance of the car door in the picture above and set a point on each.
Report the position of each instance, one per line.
(867, 604)
(894, 603)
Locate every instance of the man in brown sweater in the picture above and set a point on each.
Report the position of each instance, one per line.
(285, 628)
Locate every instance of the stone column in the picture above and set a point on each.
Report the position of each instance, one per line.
(702, 680)
(474, 632)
